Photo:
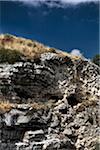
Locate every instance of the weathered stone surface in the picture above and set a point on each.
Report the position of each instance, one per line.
(53, 103)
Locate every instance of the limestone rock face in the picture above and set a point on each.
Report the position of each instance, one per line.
(49, 102)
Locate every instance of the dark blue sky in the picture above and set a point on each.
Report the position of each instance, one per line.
(73, 27)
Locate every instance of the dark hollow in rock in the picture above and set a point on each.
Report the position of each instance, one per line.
(72, 100)
(14, 134)
(90, 120)
(10, 134)
(54, 97)
(22, 93)
(63, 111)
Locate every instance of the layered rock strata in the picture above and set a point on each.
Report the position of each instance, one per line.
(49, 102)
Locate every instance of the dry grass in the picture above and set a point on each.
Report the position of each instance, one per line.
(42, 105)
(38, 106)
(28, 47)
(5, 106)
(86, 103)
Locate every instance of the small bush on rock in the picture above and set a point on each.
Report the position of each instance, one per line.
(8, 36)
(96, 59)
(9, 56)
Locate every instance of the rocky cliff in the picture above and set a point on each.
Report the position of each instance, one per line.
(49, 100)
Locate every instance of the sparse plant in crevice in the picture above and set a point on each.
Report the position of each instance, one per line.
(5, 106)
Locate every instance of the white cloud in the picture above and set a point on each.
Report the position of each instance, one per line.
(76, 52)
(78, 1)
(52, 3)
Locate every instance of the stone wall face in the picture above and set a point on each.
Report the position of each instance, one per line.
(66, 96)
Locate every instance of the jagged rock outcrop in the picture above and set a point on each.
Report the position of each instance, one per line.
(49, 101)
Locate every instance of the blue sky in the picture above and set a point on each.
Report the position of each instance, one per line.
(62, 24)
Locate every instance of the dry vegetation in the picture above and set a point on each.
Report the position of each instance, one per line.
(5, 106)
(86, 103)
(38, 106)
(28, 47)
(43, 105)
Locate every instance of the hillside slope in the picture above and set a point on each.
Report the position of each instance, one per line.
(49, 99)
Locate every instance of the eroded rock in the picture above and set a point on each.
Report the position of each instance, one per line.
(53, 103)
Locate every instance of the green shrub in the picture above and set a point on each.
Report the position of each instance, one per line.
(96, 59)
(8, 36)
(9, 56)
